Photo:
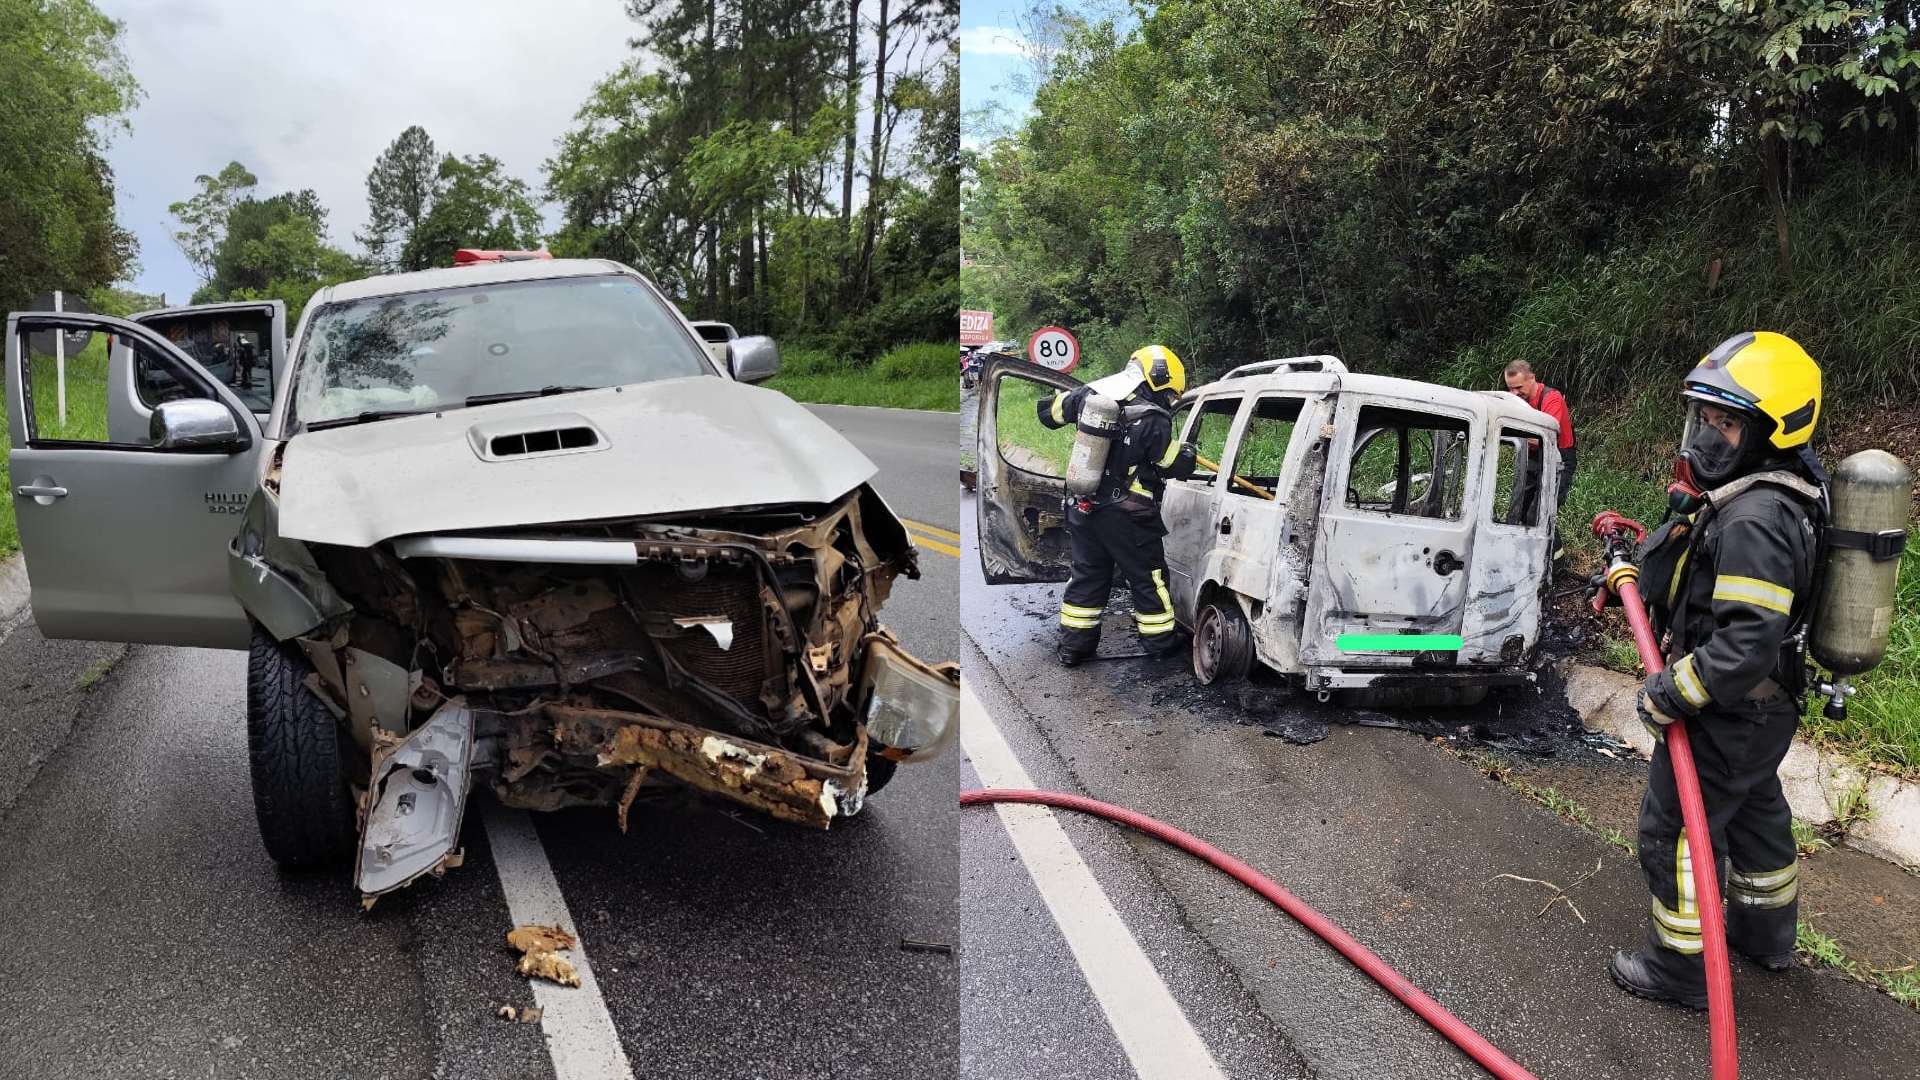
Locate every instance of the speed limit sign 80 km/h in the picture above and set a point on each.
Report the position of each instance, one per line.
(1053, 347)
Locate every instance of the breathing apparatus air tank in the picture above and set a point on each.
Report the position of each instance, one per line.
(1099, 425)
(1872, 494)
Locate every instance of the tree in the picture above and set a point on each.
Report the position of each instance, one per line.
(724, 163)
(203, 218)
(275, 248)
(476, 205)
(401, 188)
(64, 91)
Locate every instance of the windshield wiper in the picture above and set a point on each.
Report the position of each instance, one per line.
(366, 417)
(516, 395)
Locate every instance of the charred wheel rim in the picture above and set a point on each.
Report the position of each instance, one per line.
(1222, 644)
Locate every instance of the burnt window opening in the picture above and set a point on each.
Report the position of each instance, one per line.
(1206, 427)
(1262, 451)
(1408, 463)
(1023, 441)
(1516, 490)
(543, 442)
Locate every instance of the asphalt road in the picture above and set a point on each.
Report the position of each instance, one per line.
(150, 936)
(1382, 830)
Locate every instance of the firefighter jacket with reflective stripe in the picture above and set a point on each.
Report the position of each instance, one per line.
(1143, 457)
(1738, 589)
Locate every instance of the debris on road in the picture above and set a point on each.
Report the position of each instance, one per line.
(1559, 894)
(542, 946)
(535, 937)
(908, 944)
(550, 966)
(529, 1015)
(1298, 730)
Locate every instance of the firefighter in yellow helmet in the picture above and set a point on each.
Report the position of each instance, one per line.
(1118, 528)
(1728, 580)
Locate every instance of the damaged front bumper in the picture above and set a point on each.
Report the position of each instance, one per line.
(417, 799)
(739, 658)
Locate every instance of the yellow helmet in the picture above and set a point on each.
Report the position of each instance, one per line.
(1161, 369)
(1766, 376)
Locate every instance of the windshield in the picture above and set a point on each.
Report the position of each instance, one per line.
(427, 350)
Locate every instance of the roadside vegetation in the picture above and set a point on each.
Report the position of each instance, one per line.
(86, 417)
(1820, 950)
(922, 376)
(1605, 191)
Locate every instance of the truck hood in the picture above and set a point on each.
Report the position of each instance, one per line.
(666, 447)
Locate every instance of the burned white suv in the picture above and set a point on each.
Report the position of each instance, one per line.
(1352, 532)
(507, 520)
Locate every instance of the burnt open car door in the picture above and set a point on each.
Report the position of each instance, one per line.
(126, 533)
(1022, 511)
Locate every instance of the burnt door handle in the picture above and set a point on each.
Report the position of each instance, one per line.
(1446, 563)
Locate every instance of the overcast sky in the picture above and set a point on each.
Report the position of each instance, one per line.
(305, 93)
(993, 97)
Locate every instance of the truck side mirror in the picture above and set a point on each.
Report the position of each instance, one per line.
(194, 424)
(753, 359)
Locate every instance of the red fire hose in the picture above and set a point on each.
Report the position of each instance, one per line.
(1624, 579)
(1476, 1047)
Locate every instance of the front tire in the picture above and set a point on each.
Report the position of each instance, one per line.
(300, 793)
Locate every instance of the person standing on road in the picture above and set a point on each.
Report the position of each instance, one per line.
(1728, 584)
(1118, 527)
(245, 358)
(1521, 380)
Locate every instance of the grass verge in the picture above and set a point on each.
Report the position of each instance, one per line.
(924, 376)
(1553, 799)
(86, 418)
(1818, 950)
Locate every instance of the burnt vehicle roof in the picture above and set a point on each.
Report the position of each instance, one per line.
(1491, 405)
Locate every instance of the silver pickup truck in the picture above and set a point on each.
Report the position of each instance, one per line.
(507, 520)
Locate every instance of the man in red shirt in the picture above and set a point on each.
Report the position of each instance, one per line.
(1521, 381)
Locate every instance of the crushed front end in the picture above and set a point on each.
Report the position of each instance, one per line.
(737, 652)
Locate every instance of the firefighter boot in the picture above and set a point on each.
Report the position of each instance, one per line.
(1659, 974)
(1166, 646)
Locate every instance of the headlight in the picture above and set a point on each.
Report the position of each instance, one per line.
(911, 708)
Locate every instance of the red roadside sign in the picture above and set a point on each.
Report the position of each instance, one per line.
(976, 327)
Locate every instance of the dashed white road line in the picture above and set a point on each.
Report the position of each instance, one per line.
(580, 1034)
(1152, 1029)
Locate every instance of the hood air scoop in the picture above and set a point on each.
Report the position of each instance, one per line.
(535, 436)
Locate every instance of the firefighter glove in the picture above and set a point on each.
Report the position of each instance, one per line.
(1660, 704)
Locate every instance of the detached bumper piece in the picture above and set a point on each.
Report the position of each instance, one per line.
(785, 785)
(414, 807)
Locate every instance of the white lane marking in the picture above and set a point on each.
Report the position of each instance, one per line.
(580, 1034)
(1152, 1030)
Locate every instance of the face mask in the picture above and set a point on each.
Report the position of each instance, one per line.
(1710, 456)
